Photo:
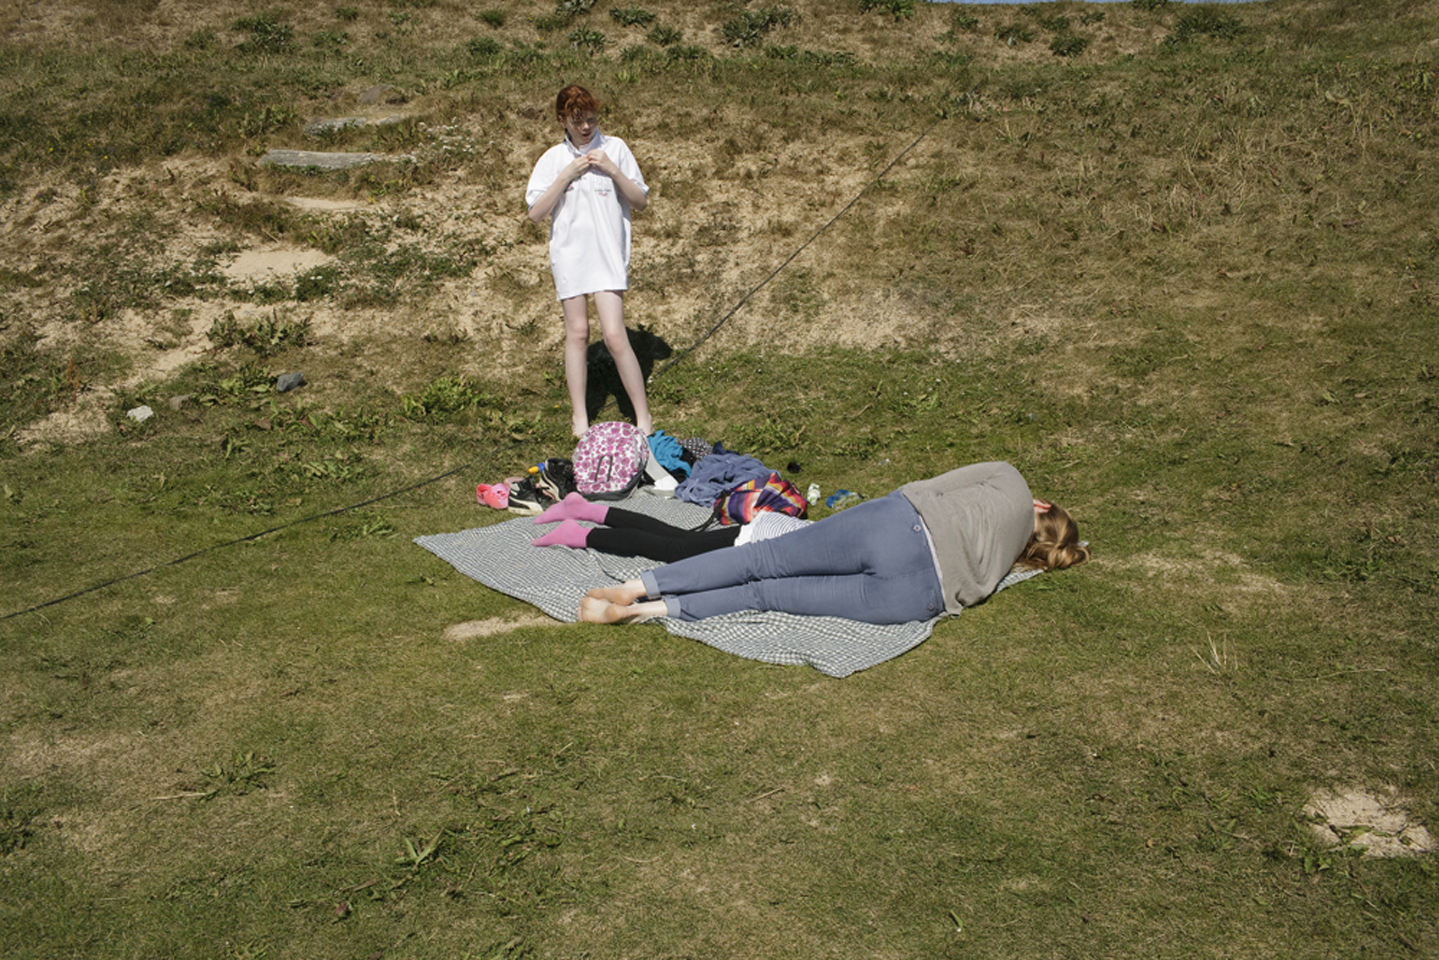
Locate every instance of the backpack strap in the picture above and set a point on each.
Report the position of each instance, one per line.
(708, 521)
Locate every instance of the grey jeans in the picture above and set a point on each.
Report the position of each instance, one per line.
(870, 563)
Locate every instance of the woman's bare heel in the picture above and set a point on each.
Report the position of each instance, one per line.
(597, 610)
(622, 594)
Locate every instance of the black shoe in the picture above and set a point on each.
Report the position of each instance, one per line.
(525, 499)
(555, 479)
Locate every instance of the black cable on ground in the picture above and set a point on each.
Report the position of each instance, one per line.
(775, 272)
(423, 483)
(231, 543)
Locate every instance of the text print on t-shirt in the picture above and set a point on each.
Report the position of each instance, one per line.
(599, 189)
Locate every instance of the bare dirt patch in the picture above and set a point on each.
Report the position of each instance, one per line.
(322, 205)
(472, 629)
(274, 260)
(1372, 821)
(86, 420)
(163, 348)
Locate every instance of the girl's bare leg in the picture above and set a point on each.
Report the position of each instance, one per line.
(610, 305)
(623, 594)
(577, 342)
(595, 610)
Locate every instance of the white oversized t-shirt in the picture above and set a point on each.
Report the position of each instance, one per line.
(767, 525)
(590, 225)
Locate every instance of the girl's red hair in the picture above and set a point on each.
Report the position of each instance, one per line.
(575, 101)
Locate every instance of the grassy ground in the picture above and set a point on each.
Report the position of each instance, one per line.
(1177, 264)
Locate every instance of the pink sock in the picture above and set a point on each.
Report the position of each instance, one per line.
(567, 534)
(575, 507)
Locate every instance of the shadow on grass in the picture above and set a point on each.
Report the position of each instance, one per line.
(604, 378)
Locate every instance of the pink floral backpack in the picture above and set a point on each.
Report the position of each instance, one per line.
(610, 460)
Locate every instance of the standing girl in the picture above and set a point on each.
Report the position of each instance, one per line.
(588, 185)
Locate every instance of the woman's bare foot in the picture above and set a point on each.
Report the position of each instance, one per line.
(596, 610)
(622, 594)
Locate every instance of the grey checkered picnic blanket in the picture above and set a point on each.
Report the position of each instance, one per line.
(555, 578)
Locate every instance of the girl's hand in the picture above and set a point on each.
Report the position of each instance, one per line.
(634, 196)
(598, 159)
(1041, 506)
(576, 167)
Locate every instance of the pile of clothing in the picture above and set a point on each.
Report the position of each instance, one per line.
(733, 485)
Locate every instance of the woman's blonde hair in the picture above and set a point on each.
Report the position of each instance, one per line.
(1054, 544)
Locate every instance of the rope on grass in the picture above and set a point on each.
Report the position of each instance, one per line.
(424, 483)
(231, 543)
(775, 272)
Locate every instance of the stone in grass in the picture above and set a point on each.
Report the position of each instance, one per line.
(289, 381)
(324, 161)
(381, 93)
(140, 414)
(318, 128)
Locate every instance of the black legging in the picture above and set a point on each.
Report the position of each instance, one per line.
(628, 534)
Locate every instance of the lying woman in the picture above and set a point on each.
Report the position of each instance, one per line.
(932, 546)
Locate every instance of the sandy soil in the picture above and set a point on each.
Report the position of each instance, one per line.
(1374, 821)
(274, 260)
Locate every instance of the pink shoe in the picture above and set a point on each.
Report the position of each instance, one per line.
(493, 495)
